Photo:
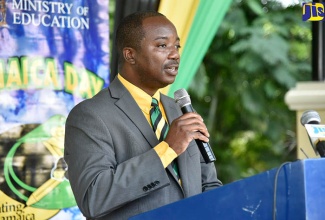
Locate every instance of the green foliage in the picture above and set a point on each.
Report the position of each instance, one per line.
(258, 54)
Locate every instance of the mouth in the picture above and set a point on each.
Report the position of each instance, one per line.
(172, 70)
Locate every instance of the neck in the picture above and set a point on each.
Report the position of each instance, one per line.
(131, 80)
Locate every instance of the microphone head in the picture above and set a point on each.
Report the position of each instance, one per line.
(182, 98)
(310, 117)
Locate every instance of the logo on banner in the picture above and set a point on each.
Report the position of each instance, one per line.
(2, 12)
(312, 11)
(40, 189)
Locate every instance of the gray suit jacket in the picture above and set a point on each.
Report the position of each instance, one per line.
(113, 169)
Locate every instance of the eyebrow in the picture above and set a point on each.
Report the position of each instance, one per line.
(158, 38)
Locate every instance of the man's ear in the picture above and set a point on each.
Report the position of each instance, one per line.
(129, 54)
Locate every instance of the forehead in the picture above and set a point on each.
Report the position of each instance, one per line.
(159, 26)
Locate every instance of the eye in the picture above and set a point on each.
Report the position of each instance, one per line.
(162, 45)
(178, 47)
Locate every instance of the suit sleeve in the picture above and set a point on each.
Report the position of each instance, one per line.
(99, 184)
(209, 176)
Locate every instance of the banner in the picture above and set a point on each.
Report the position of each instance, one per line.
(53, 54)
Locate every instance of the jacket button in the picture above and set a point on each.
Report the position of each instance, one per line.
(156, 183)
(145, 189)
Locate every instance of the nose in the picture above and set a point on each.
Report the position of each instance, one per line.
(174, 54)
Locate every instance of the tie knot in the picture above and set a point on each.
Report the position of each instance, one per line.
(154, 102)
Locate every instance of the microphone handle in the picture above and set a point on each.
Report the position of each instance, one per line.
(206, 151)
(204, 147)
(320, 147)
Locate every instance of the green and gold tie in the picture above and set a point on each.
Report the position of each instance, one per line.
(160, 127)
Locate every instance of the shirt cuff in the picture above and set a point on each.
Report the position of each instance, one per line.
(165, 153)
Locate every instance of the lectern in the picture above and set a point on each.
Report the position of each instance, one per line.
(293, 191)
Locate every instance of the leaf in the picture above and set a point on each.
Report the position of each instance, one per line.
(255, 7)
(283, 76)
(252, 101)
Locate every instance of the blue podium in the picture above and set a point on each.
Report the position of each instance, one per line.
(296, 189)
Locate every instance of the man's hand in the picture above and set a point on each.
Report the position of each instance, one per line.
(184, 129)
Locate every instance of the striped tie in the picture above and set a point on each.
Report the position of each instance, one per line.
(160, 127)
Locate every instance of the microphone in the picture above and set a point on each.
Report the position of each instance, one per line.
(183, 99)
(311, 121)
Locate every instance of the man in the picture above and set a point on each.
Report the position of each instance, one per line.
(116, 165)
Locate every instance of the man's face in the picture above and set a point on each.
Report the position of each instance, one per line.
(157, 60)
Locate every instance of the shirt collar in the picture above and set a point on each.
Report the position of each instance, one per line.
(140, 96)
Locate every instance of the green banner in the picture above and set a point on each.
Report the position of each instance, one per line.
(207, 19)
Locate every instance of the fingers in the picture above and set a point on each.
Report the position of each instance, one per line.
(192, 122)
(200, 136)
(184, 129)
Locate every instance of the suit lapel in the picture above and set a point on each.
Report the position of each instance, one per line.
(135, 114)
(124, 98)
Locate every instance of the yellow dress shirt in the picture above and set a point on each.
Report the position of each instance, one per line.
(165, 153)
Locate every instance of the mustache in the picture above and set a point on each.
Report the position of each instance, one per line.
(172, 63)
